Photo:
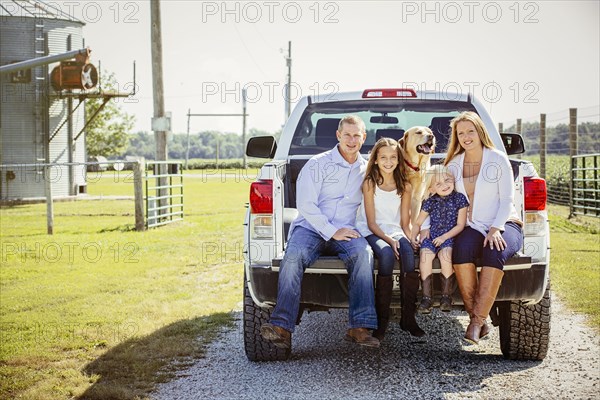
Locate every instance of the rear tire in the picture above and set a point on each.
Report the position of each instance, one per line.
(257, 348)
(525, 329)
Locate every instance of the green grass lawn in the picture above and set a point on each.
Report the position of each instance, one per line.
(575, 261)
(100, 311)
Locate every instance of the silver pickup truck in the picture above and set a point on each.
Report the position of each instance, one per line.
(522, 307)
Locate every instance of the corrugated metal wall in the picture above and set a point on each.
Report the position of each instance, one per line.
(58, 38)
(24, 120)
(19, 142)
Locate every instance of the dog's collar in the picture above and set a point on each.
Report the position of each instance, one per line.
(414, 168)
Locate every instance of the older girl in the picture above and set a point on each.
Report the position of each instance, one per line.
(384, 219)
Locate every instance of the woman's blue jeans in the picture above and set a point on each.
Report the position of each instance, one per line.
(303, 249)
(386, 258)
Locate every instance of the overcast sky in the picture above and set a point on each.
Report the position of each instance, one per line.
(519, 58)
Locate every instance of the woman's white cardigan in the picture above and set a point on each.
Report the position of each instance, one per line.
(493, 202)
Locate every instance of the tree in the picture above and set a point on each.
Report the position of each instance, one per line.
(107, 134)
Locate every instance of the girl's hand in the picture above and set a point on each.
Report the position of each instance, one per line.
(414, 242)
(437, 242)
(413, 238)
(495, 239)
(424, 234)
(396, 247)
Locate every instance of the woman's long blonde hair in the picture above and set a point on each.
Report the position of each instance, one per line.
(454, 148)
(372, 174)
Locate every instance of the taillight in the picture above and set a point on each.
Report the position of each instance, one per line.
(535, 194)
(387, 93)
(261, 197)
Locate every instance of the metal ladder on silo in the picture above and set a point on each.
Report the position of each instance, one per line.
(40, 88)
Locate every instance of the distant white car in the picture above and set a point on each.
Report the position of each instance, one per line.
(522, 307)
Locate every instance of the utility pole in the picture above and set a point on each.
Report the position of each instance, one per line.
(187, 148)
(245, 161)
(288, 92)
(160, 136)
(160, 124)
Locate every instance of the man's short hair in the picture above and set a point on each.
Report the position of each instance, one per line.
(353, 120)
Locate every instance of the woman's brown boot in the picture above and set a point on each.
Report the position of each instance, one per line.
(489, 283)
(426, 302)
(383, 299)
(466, 277)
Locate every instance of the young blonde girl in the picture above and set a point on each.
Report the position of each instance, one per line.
(384, 220)
(447, 210)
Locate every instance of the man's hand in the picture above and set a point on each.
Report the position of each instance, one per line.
(345, 234)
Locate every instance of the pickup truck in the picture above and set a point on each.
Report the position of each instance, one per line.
(522, 307)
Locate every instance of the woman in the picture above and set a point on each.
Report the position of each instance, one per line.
(493, 233)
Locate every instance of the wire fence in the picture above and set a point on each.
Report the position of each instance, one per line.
(552, 140)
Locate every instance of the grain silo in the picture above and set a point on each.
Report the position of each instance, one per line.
(37, 124)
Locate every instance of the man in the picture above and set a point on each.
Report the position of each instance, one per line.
(328, 196)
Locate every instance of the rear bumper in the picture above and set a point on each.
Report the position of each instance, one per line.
(325, 283)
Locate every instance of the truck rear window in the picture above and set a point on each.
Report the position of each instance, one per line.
(383, 118)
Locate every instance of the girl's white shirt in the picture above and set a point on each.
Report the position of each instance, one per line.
(493, 202)
(387, 214)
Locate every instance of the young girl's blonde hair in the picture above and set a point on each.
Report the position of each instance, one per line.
(372, 174)
(435, 171)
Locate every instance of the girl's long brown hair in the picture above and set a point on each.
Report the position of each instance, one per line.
(372, 174)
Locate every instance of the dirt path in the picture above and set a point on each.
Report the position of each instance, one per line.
(323, 366)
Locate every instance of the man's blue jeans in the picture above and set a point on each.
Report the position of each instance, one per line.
(303, 249)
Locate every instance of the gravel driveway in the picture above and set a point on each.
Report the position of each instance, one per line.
(441, 366)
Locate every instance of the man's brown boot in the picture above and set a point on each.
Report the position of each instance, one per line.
(383, 299)
(361, 336)
(489, 283)
(276, 335)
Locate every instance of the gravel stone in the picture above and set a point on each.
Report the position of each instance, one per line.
(439, 366)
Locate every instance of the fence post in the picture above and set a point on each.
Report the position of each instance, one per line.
(49, 205)
(519, 132)
(543, 145)
(138, 192)
(572, 153)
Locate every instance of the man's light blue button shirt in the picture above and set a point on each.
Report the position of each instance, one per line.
(328, 193)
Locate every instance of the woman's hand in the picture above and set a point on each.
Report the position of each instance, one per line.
(495, 239)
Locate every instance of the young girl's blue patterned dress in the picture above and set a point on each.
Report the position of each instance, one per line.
(443, 212)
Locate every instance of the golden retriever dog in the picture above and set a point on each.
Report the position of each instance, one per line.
(417, 145)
